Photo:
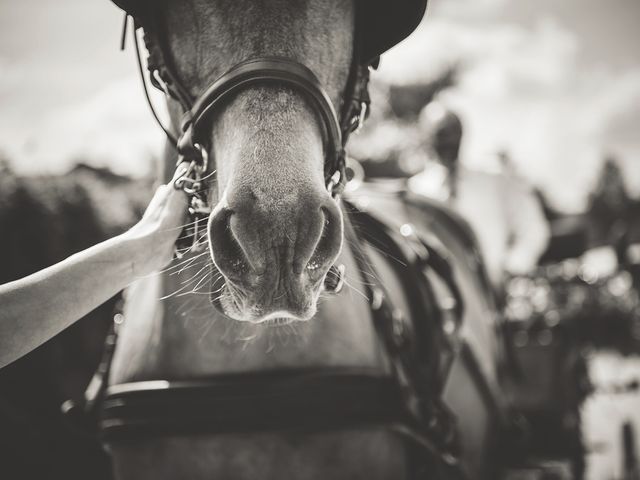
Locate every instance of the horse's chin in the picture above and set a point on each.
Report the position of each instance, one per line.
(230, 303)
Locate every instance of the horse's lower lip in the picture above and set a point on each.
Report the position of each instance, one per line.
(279, 317)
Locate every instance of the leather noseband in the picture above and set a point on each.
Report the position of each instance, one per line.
(260, 70)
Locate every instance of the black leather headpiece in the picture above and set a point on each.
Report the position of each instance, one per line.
(386, 22)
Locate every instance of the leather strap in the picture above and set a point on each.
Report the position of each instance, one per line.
(261, 70)
(411, 346)
(408, 400)
(296, 400)
(265, 69)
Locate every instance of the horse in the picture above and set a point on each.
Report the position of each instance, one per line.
(247, 359)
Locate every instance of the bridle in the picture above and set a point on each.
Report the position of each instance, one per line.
(193, 143)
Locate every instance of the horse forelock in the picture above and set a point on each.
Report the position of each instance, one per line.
(207, 37)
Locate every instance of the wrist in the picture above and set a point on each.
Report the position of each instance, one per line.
(139, 246)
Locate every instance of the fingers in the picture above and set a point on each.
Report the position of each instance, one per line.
(180, 171)
(169, 203)
(176, 203)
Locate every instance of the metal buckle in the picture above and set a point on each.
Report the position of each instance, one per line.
(357, 121)
(362, 115)
(190, 182)
(334, 280)
(334, 181)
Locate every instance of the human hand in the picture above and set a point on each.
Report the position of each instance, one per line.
(156, 233)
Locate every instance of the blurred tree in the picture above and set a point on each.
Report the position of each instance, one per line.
(44, 219)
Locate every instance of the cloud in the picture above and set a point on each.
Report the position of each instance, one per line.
(113, 128)
(615, 122)
(525, 90)
(465, 10)
(10, 75)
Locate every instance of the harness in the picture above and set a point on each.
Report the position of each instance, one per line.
(408, 401)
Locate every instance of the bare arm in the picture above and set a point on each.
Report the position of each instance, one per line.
(38, 307)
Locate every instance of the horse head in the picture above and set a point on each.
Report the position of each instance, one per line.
(275, 229)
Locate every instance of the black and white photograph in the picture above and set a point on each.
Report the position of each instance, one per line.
(319, 240)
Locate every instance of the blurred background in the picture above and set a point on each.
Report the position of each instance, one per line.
(557, 84)
(548, 90)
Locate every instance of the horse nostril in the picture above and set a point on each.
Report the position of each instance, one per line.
(226, 250)
(330, 241)
(334, 280)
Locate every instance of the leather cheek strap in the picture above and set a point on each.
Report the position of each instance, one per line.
(260, 70)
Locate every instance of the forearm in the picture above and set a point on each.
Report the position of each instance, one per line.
(35, 308)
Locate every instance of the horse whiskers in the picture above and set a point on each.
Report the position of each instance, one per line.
(187, 235)
(180, 227)
(191, 265)
(201, 282)
(379, 250)
(198, 241)
(181, 293)
(164, 271)
(207, 262)
(172, 294)
(219, 297)
(207, 177)
(356, 290)
(192, 292)
(181, 262)
(206, 329)
(178, 269)
(187, 283)
(214, 292)
(375, 280)
(192, 279)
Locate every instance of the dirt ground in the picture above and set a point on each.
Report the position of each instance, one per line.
(604, 413)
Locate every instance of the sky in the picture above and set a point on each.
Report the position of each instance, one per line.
(556, 84)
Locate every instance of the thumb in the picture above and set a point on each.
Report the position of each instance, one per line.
(176, 202)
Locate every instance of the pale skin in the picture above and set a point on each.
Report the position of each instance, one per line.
(36, 308)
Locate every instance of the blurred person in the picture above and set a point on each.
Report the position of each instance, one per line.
(502, 209)
(610, 211)
(38, 307)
